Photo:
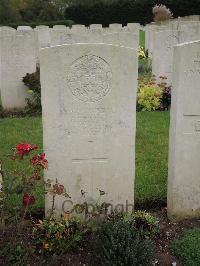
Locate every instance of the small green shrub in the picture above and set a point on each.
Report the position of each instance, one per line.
(144, 222)
(14, 255)
(119, 243)
(144, 67)
(149, 95)
(187, 248)
(32, 81)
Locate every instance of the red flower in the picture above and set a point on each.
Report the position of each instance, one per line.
(58, 189)
(28, 199)
(40, 160)
(24, 149)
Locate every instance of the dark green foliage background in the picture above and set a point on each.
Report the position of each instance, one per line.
(123, 11)
(90, 11)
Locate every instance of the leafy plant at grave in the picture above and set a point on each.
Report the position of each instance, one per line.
(141, 53)
(20, 183)
(14, 255)
(149, 95)
(144, 222)
(52, 236)
(187, 247)
(153, 96)
(32, 81)
(120, 243)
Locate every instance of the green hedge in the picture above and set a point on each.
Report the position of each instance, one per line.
(68, 23)
(123, 11)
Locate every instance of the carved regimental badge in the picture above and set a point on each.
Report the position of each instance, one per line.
(89, 78)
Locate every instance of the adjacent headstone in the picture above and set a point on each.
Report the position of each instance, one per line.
(79, 29)
(44, 38)
(89, 117)
(184, 152)
(18, 57)
(152, 30)
(125, 39)
(59, 27)
(115, 27)
(133, 27)
(95, 26)
(94, 36)
(191, 31)
(60, 36)
(22, 28)
(162, 59)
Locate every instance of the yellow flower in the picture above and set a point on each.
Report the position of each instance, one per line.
(141, 53)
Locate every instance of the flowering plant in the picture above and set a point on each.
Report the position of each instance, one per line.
(141, 53)
(52, 236)
(153, 94)
(19, 183)
(149, 95)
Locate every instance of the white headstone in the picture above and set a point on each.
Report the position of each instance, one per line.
(79, 29)
(89, 118)
(59, 27)
(94, 36)
(152, 30)
(191, 32)
(24, 28)
(184, 152)
(115, 27)
(95, 26)
(162, 59)
(59, 36)
(125, 39)
(133, 27)
(44, 38)
(18, 57)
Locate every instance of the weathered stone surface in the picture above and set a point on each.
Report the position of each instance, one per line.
(79, 29)
(125, 39)
(18, 57)
(94, 36)
(44, 38)
(133, 27)
(95, 26)
(184, 152)
(162, 60)
(24, 28)
(115, 27)
(59, 27)
(152, 30)
(89, 117)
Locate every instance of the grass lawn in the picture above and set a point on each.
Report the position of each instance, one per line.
(151, 150)
(187, 247)
(142, 38)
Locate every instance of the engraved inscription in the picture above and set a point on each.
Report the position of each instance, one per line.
(89, 78)
(90, 122)
(195, 66)
(95, 160)
(197, 126)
